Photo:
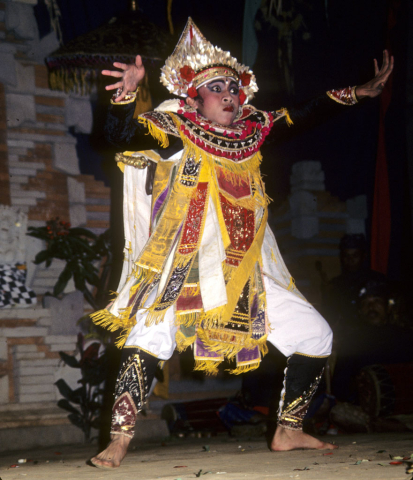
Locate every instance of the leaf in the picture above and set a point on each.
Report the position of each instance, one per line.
(206, 448)
(79, 395)
(83, 244)
(61, 283)
(79, 281)
(93, 406)
(198, 474)
(396, 463)
(397, 458)
(41, 257)
(95, 377)
(78, 231)
(69, 360)
(66, 391)
(91, 353)
(381, 451)
(62, 403)
(92, 278)
(90, 267)
(77, 420)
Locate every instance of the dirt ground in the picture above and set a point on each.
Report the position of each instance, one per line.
(223, 458)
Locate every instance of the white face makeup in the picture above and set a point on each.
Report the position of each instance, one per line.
(220, 100)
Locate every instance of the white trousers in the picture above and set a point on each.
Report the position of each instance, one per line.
(295, 327)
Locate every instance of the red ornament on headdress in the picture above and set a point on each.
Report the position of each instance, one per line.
(192, 92)
(245, 78)
(242, 97)
(187, 73)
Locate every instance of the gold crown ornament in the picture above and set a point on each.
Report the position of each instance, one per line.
(195, 61)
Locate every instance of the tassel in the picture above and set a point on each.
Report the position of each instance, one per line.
(283, 112)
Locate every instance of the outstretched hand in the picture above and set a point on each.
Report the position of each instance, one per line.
(374, 87)
(130, 76)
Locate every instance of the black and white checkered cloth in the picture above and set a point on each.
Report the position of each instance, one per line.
(13, 290)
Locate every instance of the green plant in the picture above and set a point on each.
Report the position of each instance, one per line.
(84, 403)
(79, 247)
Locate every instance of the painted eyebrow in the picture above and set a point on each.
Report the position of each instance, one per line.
(218, 80)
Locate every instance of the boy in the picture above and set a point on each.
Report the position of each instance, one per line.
(202, 268)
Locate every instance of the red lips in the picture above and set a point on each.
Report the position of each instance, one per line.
(229, 109)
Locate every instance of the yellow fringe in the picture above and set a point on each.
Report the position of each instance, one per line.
(182, 342)
(238, 342)
(187, 318)
(273, 257)
(291, 285)
(222, 346)
(283, 112)
(250, 203)
(238, 168)
(235, 178)
(155, 132)
(121, 340)
(208, 366)
(230, 167)
(212, 318)
(244, 368)
(155, 317)
(111, 322)
(261, 343)
(191, 291)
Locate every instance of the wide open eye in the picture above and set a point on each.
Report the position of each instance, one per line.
(234, 90)
(215, 88)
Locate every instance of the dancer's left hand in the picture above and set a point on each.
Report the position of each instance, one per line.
(374, 87)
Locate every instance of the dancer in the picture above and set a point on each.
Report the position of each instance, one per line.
(202, 268)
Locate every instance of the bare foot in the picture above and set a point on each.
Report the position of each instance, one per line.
(292, 439)
(114, 453)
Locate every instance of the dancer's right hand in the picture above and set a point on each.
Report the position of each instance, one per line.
(130, 76)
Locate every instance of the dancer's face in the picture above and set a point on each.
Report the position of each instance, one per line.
(220, 101)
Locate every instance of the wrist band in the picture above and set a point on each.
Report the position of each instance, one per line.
(129, 97)
(345, 96)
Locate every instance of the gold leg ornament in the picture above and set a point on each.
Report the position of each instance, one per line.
(302, 377)
(132, 388)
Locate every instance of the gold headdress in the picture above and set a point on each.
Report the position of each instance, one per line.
(196, 61)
